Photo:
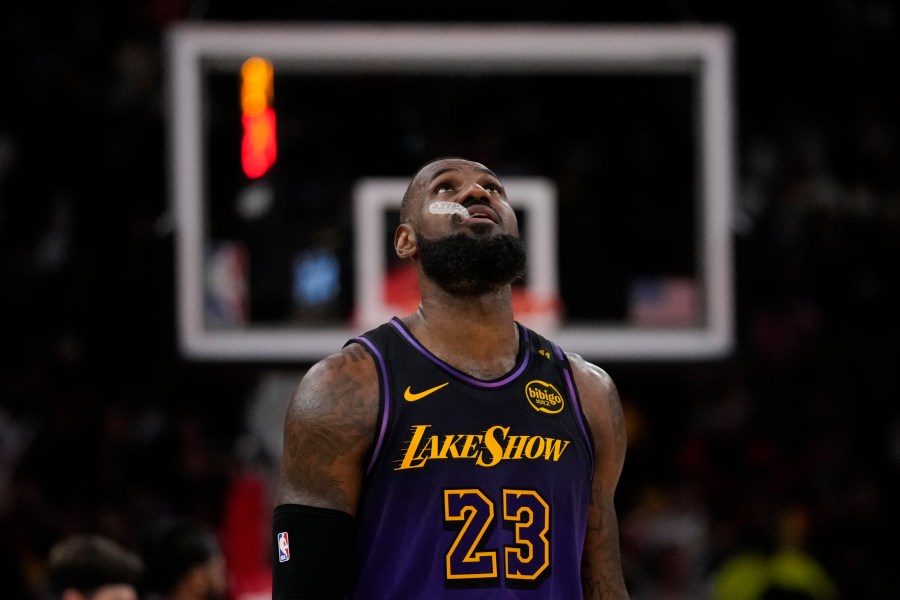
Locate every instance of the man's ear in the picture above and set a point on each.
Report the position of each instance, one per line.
(405, 241)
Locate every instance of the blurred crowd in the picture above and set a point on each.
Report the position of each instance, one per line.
(771, 473)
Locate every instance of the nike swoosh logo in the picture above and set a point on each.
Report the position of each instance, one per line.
(411, 397)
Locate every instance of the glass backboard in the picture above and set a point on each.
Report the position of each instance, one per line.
(621, 138)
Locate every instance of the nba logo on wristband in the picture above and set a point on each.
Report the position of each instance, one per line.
(284, 548)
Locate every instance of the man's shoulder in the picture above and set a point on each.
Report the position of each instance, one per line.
(590, 375)
(341, 380)
(380, 334)
(352, 360)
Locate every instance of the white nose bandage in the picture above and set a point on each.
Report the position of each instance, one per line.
(448, 208)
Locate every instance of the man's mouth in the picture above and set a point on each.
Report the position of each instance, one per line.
(482, 211)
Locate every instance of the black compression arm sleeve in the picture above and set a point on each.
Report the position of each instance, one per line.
(313, 550)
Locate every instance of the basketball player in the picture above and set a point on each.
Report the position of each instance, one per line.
(452, 453)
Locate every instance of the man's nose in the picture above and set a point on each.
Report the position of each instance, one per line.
(476, 191)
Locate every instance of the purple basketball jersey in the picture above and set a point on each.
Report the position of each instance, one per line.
(475, 489)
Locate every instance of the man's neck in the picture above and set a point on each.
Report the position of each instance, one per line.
(475, 334)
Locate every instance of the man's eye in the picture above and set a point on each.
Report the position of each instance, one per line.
(443, 187)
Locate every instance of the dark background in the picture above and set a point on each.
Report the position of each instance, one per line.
(792, 440)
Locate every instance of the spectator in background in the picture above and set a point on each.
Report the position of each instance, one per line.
(786, 571)
(92, 567)
(184, 562)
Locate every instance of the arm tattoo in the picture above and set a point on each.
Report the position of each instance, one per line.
(328, 429)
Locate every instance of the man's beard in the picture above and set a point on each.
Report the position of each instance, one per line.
(470, 266)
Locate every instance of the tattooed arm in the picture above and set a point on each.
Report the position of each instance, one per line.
(328, 427)
(601, 568)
